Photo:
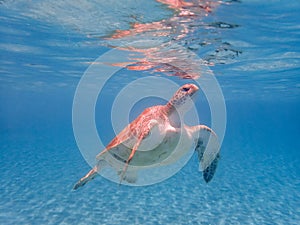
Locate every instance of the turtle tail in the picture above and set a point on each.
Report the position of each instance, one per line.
(88, 177)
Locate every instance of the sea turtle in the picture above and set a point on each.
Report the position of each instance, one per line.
(158, 137)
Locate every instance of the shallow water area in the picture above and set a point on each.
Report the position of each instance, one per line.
(251, 48)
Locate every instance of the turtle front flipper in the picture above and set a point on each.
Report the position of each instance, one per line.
(208, 149)
(142, 132)
(209, 172)
(135, 147)
(130, 176)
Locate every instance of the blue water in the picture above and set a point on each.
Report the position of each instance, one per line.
(253, 50)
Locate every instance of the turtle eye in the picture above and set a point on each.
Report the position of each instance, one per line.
(185, 89)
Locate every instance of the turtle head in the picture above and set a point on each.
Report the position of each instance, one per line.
(183, 98)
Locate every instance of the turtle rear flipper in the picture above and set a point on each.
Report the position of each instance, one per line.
(89, 176)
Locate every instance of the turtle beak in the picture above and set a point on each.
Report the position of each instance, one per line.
(193, 90)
